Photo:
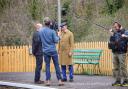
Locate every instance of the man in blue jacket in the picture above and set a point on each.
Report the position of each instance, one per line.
(118, 44)
(49, 39)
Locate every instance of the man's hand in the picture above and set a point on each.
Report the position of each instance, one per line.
(123, 35)
(111, 31)
(59, 52)
(59, 33)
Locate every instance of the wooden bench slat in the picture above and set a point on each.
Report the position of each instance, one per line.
(86, 55)
(89, 58)
(88, 50)
(78, 62)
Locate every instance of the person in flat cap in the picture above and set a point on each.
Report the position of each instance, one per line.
(49, 39)
(65, 48)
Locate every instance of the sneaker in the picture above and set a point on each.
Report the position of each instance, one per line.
(125, 84)
(117, 83)
(64, 80)
(71, 80)
(47, 83)
(39, 82)
(60, 83)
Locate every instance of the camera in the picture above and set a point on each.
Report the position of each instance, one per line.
(54, 25)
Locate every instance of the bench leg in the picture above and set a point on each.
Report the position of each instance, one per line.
(82, 68)
(78, 67)
(94, 68)
(99, 68)
(88, 70)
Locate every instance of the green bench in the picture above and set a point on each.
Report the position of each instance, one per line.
(87, 56)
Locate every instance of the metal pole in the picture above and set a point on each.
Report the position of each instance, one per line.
(59, 13)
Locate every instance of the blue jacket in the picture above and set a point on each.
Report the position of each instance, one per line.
(49, 39)
(118, 44)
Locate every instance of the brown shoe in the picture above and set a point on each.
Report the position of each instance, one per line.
(39, 82)
(60, 83)
(47, 83)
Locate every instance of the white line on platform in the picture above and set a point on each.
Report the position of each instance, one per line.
(30, 86)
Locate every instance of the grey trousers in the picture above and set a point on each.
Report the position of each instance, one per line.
(119, 67)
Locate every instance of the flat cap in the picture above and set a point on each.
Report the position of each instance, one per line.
(63, 24)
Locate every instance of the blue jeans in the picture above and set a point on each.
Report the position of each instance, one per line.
(39, 62)
(63, 67)
(47, 58)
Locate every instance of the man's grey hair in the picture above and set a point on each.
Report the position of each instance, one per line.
(37, 23)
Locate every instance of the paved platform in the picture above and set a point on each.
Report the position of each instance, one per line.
(80, 81)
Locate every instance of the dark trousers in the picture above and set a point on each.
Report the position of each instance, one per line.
(70, 68)
(39, 62)
(47, 58)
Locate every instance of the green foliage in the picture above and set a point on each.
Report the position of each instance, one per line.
(12, 41)
(3, 4)
(65, 12)
(89, 10)
(118, 4)
(34, 9)
(18, 41)
(113, 5)
(66, 6)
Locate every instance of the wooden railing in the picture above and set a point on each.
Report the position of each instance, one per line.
(18, 58)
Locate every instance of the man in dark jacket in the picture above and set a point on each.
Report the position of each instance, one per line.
(37, 52)
(118, 44)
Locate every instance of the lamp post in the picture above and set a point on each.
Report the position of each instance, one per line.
(59, 13)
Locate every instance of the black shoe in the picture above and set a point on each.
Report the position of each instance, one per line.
(39, 82)
(117, 83)
(125, 84)
(64, 80)
(71, 80)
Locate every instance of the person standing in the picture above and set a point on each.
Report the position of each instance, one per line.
(118, 44)
(65, 47)
(49, 39)
(37, 52)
